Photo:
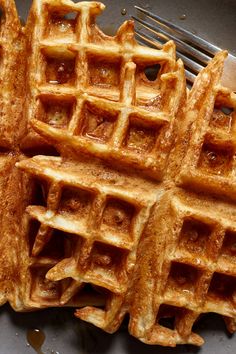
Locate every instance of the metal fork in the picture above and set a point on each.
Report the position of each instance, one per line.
(193, 50)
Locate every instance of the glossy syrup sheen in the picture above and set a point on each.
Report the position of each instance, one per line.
(36, 339)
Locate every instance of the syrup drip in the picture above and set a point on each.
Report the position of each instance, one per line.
(183, 17)
(36, 338)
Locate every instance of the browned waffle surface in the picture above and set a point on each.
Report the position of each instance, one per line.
(88, 209)
(11, 101)
(209, 164)
(11, 74)
(8, 242)
(129, 203)
(90, 97)
(193, 271)
(139, 202)
(186, 257)
(89, 91)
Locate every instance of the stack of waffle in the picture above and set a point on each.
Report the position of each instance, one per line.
(123, 199)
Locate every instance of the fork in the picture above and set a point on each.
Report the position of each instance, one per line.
(193, 50)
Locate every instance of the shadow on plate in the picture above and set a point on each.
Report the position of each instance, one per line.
(79, 337)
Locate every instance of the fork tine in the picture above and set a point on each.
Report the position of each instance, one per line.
(189, 63)
(153, 29)
(208, 47)
(190, 76)
(156, 43)
(179, 43)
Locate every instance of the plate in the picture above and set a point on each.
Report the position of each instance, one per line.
(213, 20)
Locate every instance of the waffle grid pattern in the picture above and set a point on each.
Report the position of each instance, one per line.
(194, 283)
(214, 164)
(78, 127)
(71, 196)
(90, 90)
(193, 271)
(89, 97)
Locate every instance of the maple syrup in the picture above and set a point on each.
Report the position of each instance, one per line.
(36, 339)
(183, 17)
(60, 71)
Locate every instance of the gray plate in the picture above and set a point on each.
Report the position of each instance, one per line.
(215, 21)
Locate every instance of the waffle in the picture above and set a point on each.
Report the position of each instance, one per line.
(22, 277)
(131, 195)
(92, 74)
(185, 260)
(11, 90)
(90, 100)
(11, 70)
(194, 272)
(67, 96)
(126, 188)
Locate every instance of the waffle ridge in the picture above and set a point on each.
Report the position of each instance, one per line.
(11, 88)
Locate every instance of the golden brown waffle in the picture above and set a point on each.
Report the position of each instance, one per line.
(209, 164)
(22, 280)
(138, 204)
(11, 74)
(11, 90)
(89, 93)
(183, 266)
(186, 257)
(73, 108)
(76, 72)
